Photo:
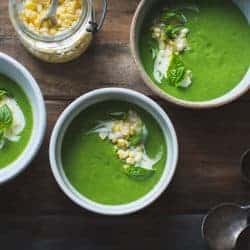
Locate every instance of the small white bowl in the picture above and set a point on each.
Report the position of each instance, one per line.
(18, 73)
(98, 96)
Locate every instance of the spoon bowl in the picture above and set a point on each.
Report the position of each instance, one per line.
(245, 166)
(223, 225)
(243, 242)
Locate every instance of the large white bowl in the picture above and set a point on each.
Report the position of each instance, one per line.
(18, 73)
(98, 96)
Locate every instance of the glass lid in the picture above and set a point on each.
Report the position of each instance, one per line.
(29, 16)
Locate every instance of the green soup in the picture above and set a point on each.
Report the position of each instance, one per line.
(12, 150)
(219, 55)
(91, 164)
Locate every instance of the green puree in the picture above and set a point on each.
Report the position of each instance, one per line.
(91, 164)
(219, 38)
(12, 150)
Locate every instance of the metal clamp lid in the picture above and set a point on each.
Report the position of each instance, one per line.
(95, 25)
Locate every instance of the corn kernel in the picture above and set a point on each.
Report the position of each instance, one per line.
(130, 161)
(122, 143)
(122, 154)
(68, 12)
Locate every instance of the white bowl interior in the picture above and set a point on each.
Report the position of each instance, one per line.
(15, 71)
(99, 96)
(142, 12)
(244, 5)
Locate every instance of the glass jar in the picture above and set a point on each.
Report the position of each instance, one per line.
(64, 46)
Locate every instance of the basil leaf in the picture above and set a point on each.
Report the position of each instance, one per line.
(173, 17)
(1, 134)
(172, 31)
(6, 117)
(2, 141)
(2, 93)
(176, 71)
(137, 173)
(118, 115)
(140, 137)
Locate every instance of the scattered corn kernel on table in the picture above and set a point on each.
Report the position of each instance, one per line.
(35, 214)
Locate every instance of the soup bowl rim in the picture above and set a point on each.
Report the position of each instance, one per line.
(241, 88)
(81, 104)
(39, 120)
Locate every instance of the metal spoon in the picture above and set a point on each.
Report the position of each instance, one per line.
(245, 166)
(223, 225)
(51, 14)
(243, 242)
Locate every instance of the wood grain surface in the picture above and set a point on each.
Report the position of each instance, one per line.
(211, 143)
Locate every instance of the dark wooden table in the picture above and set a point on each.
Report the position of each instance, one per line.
(35, 214)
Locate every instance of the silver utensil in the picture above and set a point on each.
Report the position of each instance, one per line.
(245, 166)
(224, 224)
(51, 14)
(243, 242)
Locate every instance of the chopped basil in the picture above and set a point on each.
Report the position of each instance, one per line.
(2, 93)
(2, 140)
(6, 117)
(140, 137)
(1, 134)
(173, 17)
(137, 173)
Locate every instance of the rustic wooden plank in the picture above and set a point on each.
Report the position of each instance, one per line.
(208, 173)
(105, 233)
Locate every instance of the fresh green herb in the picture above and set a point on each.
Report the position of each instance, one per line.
(140, 137)
(2, 93)
(137, 173)
(118, 115)
(172, 31)
(173, 17)
(176, 71)
(1, 134)
(2, 140)
(6, 117)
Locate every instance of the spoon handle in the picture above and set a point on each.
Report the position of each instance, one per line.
(53, 8)
(247, 207)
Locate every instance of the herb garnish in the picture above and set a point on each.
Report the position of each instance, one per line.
(138, 173)
(6, 119)
(176, 71)
(2, 93)
(170, 32)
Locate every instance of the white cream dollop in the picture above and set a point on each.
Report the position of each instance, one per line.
(19, 122)
(166, 52)
(162, 63)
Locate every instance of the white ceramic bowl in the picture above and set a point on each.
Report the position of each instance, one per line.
(142, 11)
(99, 96)
(18, 73)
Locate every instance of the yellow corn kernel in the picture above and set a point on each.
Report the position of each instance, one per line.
(122, 154)
(130, 161)
(68, 13)
(131, 154)
(122, 143)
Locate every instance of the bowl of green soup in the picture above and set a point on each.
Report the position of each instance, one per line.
(22, 118)
(113, 151)
(194, 54)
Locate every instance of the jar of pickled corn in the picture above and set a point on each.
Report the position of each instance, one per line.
(61, 40)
